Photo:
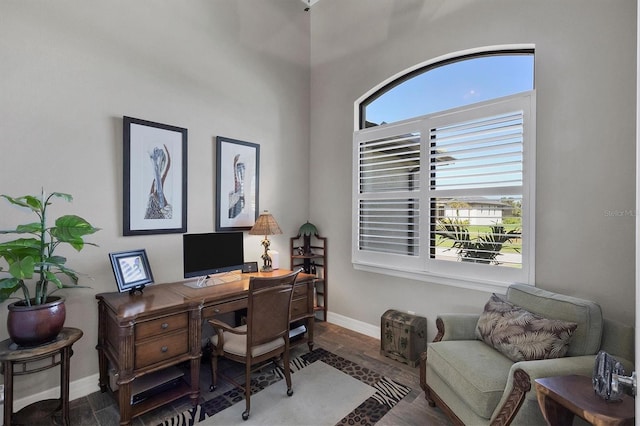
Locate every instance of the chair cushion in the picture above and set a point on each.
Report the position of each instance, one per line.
(587, 314)
(237, 343)
(476, 372)
(521, 335)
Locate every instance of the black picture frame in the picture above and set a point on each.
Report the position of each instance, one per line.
(248, 267)
(131, 269)
(154, 151)
(237, 184)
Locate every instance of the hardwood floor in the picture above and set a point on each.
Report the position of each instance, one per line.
(99, 409)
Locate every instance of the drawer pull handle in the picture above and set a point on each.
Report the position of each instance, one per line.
(216, 310)
(165, 325)
(164, 349)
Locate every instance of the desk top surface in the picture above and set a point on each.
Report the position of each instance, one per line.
(157, 297)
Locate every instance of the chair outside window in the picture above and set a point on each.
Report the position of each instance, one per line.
(264, 337)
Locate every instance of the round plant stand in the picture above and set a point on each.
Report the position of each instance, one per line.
(15, 361)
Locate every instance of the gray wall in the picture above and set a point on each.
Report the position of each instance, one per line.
(585, 80)
(71, 69)
(240, 68)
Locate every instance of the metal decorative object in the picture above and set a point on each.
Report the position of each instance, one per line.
(605, 369)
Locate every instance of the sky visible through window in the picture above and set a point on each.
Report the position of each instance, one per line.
(454, 85)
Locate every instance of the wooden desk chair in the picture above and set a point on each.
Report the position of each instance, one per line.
(264, 337)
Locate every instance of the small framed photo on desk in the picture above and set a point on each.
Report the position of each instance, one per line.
(249, 267)
(131, 270)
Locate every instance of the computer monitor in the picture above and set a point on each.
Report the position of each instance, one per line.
(212, 253)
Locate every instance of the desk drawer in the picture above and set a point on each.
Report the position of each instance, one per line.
(299, 308)
(223, 308)
(162, 348)
(162, 326)
(300, 290)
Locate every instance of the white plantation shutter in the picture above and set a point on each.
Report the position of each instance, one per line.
(473, 165)
(476, 163)
(388, 226)
(388, 187)
(481, 153)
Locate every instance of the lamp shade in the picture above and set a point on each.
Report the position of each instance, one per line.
(265, 225)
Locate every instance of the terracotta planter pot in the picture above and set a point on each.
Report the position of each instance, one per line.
(37, 324)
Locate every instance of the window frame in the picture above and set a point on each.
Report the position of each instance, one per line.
(397, 79)
(422, 268)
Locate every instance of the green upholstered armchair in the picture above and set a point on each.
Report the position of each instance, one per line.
(475, 384)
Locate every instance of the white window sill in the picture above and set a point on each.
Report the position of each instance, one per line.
(451, 281)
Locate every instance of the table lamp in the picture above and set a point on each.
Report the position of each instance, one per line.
(265, 225)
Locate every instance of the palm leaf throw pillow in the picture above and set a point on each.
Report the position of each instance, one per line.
(521, 335)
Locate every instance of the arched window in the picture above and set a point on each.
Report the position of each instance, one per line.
(444, 170)
(448, 84)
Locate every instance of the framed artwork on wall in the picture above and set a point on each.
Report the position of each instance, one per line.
(131, 270)
(155, 178)
(237, 184)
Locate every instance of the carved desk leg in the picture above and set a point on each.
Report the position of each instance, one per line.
(195, 330)
(103, 377)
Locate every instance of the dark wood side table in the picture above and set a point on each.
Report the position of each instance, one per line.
(15, 362)
(561, 397)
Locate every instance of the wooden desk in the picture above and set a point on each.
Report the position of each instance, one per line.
(144, 333)
(561, 397)
(57, 352)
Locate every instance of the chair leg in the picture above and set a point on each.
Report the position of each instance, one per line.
(247, 389)
(287, 372)
(214, 371)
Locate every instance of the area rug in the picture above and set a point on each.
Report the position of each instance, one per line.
(359, 396)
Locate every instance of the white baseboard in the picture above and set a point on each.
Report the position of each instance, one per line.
(87, 385)
(77, 389)
(354, 325)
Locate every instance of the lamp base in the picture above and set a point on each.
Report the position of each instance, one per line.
(267, 266)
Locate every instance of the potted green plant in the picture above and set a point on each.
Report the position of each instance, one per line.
(33, 270)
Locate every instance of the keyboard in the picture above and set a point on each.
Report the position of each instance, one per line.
(229, 278)
(217, 280)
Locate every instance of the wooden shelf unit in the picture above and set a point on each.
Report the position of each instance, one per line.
(314, 263)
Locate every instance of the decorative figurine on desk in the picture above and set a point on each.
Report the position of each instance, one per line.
(266, 259)
(265, 225)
